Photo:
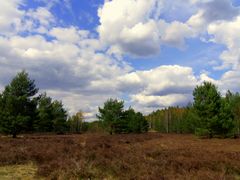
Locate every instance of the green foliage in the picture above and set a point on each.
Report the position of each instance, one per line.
(18, 107)
(76, 124)
(214, 112)
(95, 126)
(21, 110)
(135, 122)
(210, 115)
(201, 132)
(207, 103)
(189, 120)
(116, 120)
(112, 115)
(226, 117)
(59, 117)
(231, 113)
(52, 117)
(44, 121)
(172, 119)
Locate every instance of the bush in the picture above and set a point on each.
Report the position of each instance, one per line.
(201, 132)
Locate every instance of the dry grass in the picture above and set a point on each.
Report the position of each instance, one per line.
(26, 172)
(143, 156)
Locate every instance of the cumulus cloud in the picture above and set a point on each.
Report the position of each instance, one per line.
(70, 34)
(140, 31)
(224, 32)
(159, 102)
(219, 21)
(160, 87)
(211, 11)
(10, 16)
(143, 31)
(229, 81)
(70, 64)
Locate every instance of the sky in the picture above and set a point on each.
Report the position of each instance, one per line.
(151, 54)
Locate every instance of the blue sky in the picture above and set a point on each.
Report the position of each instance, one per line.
(150, 53)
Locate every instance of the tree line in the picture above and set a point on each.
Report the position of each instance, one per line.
(24, 110)
(209, 115)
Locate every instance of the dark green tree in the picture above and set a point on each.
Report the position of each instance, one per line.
(59, 115)
(44, 121)
(236, 112)
(226, 116)
(111, 115)
(207, 104)
(136, 122)
(18, 105)
(190, 120)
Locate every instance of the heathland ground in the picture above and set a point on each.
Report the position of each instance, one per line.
(126, 156)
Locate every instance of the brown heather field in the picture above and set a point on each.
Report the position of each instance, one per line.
(99, 156)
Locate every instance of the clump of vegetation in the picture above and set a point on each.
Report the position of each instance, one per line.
(116, 120)
(23, 111)
(210, 114)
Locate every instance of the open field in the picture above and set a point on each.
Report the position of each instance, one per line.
(98, 156)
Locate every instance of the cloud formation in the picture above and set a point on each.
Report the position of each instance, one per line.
(140, 31)
(84, 69)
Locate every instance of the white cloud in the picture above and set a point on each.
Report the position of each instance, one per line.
(230, 81)
(10, 16)
(70, 34)
(161, 101)
(73, 66)
(225, 32)
(74, 102)
(174, 34)
(210, 11)
(134, 27)
(159, 87)
(43, 15)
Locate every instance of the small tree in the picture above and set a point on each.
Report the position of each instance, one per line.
(118, 121)
(76, 122)
(207, 103)
(136, 122)
(18, 107)
(111, 114)
(234, 110)
(59, 117)
(226, 116)
(44, 121)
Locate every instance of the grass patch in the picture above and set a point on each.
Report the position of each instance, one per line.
(26, 172)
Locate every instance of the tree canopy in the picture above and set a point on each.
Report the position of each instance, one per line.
(18, 105)
(210, 114)
(23, 110)
(117, 120)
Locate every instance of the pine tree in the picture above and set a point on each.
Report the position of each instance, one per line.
(111, 115)
(18, 105)
(207, 103)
